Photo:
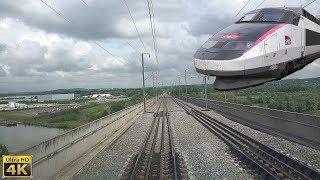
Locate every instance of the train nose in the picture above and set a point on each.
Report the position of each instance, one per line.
(224, 61)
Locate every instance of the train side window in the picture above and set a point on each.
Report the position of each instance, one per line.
(270, 15)
(296, 20)
(311, 17)
(291, 18)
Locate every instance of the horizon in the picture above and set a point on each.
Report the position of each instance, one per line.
(81, 88)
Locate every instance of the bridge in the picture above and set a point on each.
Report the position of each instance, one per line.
(183, 138)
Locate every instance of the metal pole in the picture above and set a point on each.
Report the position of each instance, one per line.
(203, 87)
(143, 82)
(153, 88)
(143, 85)
(205, 90)
(185, 80)
(225, 96)
(179, 85)
(157, 86)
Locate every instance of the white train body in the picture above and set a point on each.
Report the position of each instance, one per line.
(264, 45)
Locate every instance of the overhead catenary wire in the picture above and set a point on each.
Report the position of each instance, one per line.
(67, 20)
(309, 3)
(155, 35)
(152, 27)
(133, 23)
(55, 11)
(109, 52)
(135, 26)
(132, 46)
(260, 4)
(84, 2)
(151, 17)
(242, 8)
(153, 31)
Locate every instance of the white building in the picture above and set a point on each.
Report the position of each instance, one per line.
(13, 104)
(55, 97)
(100, 95)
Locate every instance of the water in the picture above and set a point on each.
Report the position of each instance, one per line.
(17, 138)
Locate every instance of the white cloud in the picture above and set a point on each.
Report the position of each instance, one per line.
(40, 50)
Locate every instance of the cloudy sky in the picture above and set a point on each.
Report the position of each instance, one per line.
(40, 50)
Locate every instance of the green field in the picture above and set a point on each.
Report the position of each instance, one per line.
(301, 96)
(3, 150)
(72, 118)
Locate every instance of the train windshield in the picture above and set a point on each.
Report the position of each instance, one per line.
(273, 15)
(265, 15)
(210, 43)
(238, 45)
(248, 17)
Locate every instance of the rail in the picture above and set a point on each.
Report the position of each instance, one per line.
(267, 162)
(301, 128)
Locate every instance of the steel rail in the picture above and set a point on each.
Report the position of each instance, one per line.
(300, 167)
(286, 166)
(173, 154)
(157, 158)
(143, 148)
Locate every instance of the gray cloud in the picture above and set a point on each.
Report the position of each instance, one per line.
(3, 47)
(40, 50)
(2, 72)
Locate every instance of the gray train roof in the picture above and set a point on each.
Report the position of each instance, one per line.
(297, 10)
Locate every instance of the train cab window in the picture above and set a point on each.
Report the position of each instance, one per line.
(248, 17)
(291, 18)
(270, 15)
(311, 17)
(238, 45)
(209, 44)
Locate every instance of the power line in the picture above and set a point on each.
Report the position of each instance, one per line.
(58, 13)
(66, 19)
(84, 2)
(135, 26)
(154, 34)
(132, 46)
(242, 8)
(260, 4)
(309, 3)
(109, 52)
(152, 26)
(153, 31)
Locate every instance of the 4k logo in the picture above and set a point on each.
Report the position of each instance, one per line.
(17, 166)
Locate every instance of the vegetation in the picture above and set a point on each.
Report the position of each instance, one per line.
(301, 96)
(3, 150)
(77, 117)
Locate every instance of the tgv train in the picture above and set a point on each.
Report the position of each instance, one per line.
(264, 45)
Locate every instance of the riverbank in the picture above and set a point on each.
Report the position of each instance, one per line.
(3, 150)
(7, 123)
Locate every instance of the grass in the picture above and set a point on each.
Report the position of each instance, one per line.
(316, 113)
(69, 119)
(3, 150)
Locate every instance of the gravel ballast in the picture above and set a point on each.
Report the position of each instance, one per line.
(297, 151)
(207, 156)
(109, 162)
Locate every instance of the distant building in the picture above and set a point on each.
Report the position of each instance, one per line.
(13, 104)
(55, 97)
(100, 95)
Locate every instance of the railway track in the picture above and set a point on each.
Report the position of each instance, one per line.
(266, 162)
(157, 158)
